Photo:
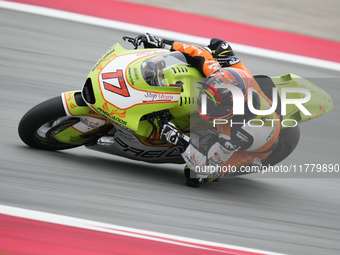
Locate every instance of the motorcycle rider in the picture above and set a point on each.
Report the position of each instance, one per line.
(234, 145)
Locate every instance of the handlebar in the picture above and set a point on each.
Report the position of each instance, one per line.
(131, 40)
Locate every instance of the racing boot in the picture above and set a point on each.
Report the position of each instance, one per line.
(195, 180)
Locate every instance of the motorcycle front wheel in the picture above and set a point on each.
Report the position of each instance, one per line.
(37, 126)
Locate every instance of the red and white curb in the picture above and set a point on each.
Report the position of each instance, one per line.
(24, 231)
(247, 39)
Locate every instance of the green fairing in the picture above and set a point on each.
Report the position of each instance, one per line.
(319, 104)
(180, 110)
(183, 74)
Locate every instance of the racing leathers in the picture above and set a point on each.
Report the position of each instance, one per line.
(237, 143)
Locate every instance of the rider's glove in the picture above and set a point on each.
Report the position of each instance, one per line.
(151, 41)
(170, 134)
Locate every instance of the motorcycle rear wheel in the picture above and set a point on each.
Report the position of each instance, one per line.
(44, 114)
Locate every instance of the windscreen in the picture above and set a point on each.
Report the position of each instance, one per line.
(152, 68)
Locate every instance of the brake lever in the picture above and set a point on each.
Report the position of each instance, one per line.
(131, 40)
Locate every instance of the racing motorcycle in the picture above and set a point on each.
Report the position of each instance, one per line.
(127, 97)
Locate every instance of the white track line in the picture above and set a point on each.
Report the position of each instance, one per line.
(167, 34)
(115, 229)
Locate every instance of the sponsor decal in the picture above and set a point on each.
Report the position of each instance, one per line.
(130, 76)
(88, 123)
(157, 97)
(199, 49)
(136, 73)
(242, 137)
(114, 45)
(214, 66)
(128, 137)
(91, 124)
(193, 46)
(148, 53)
(232, 60)
(225, 45)
(106, 58)
(185, 45)
(137, 152)
(112, 117)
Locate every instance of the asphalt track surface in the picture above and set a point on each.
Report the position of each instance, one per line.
(319, 18)
(41, 57)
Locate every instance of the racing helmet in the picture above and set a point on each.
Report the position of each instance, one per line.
(219, 101)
